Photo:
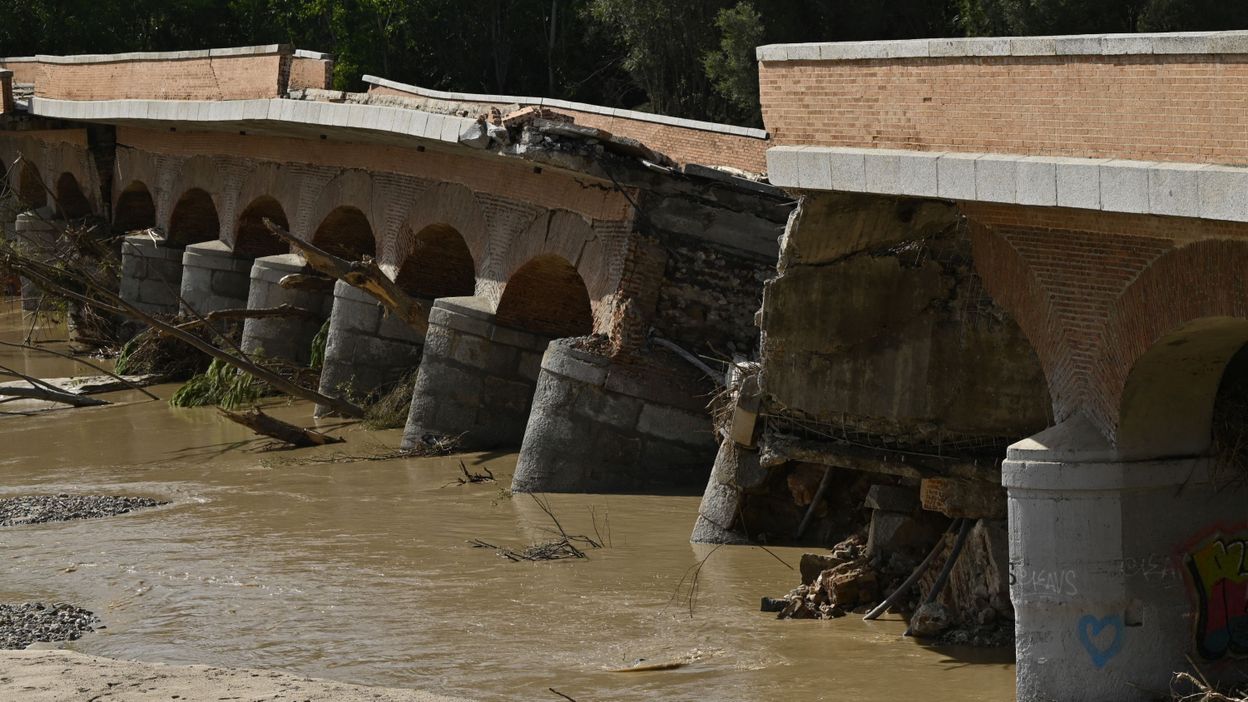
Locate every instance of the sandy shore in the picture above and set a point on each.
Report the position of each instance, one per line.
(65, 676)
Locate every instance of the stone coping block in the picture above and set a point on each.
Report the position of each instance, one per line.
(475, 316)
(215, 255)
(1175, 43)
(1206, 191)
(349, 292)
(149, 247)
(566, 105)
(563, 359)
(331, 116)
(264, 50)
(273, 268)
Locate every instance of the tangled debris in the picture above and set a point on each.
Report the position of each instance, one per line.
(41, 509)
(24, 624)
(566, 546)
(1186, 687)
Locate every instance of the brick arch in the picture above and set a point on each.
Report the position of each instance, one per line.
(133, 166)
(346, 232)
(64, 158)
(31, 192)
(1015, 287)
(445, 204)
(135, 208)
(440, 264)
(546, 296)
(571, 237)
(1165, 344)
(252, 238)
(196, 173)
(352, 189)
(266, 181)
(194, 219)
(72, 202)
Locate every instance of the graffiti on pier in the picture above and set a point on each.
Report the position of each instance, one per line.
(1220, 577)
(1102, 638)
(1035, 581)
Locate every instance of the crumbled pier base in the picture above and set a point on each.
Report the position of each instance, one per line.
(40, 509)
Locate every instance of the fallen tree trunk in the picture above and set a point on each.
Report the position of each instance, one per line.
(365, 275)
(274, 428)
(41, 390)
(303, 281)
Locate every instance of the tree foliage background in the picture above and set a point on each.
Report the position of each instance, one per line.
(688, 58)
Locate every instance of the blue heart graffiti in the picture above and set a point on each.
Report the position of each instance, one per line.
(1090, 629)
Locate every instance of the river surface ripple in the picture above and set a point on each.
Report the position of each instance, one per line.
(361, 572)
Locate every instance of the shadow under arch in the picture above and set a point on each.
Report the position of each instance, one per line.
(135, 208)
(30, 191)
(438, 265)
(1168, 401)
(194, 219)
(345, 232)
(252, 239)
(71, 201)
(547, 296)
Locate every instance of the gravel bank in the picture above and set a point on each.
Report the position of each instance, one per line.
(39, 509)
(62, 676)
(24, 624)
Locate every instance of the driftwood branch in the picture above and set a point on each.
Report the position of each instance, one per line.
(304, 281)
(42, 390)
(114, 376)
(274, 428)
(281, 311)
(58, 281)
(365, 275)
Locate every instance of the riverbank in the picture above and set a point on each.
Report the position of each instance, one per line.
(62, 676)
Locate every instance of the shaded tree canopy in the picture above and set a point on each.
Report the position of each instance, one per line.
(692, 58)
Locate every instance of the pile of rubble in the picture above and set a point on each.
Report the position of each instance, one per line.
(960, 595)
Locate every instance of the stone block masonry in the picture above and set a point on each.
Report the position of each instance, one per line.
(33, 233)
(368, 351)
(599, 426)
(476, 378)
(151, 274)
(213, 278)
(286, 338)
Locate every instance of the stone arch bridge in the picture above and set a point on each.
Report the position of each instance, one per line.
(517, 220)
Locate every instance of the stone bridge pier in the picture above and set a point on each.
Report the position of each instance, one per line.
(288, 338)
(476, 377)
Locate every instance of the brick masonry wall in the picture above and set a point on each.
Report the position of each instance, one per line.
(1094, 291)
(1162, 108)
(311, 73)
(681, 144)
(222, 78)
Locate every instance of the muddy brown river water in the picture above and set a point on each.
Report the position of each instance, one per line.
(361, 572)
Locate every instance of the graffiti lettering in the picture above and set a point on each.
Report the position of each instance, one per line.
(1051, 582)
(1220, 576)
(1150, 568)
(1101, 638)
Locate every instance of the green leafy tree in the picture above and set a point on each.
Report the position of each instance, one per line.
(732, 68)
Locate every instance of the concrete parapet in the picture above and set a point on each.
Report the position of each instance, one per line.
(368, 350)
(151, 274)
(475, 378)
(1120, 571)
(599, 426)
(288, 338)
(213, 278)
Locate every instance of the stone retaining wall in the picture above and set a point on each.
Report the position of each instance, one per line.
(213, 278)
(151, 274)
(597, 426)
(285, 338)
(368, 350)
(476, 378)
